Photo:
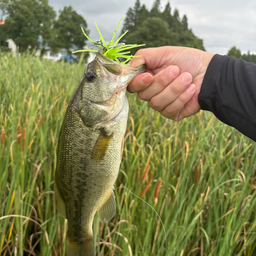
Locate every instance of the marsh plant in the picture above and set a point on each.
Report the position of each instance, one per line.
(198, 174)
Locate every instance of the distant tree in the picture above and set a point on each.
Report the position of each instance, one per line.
(249, 57)
(143, 15)
(234, 52)
(157, 5)
(155, 11)
(131, 19)
(184, 22)
(27, 20)
(3, 12)
(3, 36)
(176, 14)
(165, 29)
(136, 11)
(66, 32)
(166, 15)
(152, 31)
(3, 8)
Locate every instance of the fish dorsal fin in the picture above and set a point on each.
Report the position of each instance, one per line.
(108, 209)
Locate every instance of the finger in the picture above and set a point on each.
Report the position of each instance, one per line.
(189, 109)
(161, 81)
(173, 111)
(171, 92)
(152, 57)
(138, 60)
(140, 83)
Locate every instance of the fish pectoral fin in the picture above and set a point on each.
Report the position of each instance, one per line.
(101, 146)
(108, 209)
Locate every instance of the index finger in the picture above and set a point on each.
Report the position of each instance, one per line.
(152, 57)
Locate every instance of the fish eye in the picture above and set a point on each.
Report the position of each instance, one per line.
(90, 76)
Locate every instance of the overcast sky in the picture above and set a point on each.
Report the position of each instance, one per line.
(220, 23)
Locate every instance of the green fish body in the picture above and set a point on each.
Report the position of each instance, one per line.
(90, 148)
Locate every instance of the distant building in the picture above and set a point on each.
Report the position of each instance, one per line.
(11, 45)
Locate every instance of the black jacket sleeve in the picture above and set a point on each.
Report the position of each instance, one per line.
(229, 91)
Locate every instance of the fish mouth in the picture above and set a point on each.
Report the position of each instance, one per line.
(118, 69)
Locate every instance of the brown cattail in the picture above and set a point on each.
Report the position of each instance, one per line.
(144, 190)
(138, 176)
(23, 138)
(150, 177)
(42, 120)
(18, 133)
(196, 176)
(158, 186)
(2, 136)
(145, 173)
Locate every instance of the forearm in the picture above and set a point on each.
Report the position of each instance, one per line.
(229, 91)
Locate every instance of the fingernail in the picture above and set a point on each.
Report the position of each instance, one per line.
(174, 71)
(191, 88)
(146, 80)
(186, 77)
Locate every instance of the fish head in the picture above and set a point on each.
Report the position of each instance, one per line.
(104, 78)
(103, 89)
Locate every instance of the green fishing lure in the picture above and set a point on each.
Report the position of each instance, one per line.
(114, 50)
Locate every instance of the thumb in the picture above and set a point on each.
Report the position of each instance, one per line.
(136, 61)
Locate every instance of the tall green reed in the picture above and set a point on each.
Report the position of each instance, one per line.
(206, 199)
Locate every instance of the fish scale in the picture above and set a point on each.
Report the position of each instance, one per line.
(89, 150)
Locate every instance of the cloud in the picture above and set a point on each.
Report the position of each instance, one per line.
(221, 24)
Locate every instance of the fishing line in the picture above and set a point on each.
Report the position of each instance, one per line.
(151, 208)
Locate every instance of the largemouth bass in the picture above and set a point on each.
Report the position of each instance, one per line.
(90, 148)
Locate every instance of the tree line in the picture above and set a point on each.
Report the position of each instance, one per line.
(235, 52)
(33, 23)
(158, 28)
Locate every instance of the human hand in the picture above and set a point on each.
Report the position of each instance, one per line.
(172, 80)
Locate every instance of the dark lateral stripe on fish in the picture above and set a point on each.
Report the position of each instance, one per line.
(101, 147)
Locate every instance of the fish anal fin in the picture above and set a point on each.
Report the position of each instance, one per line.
(108, 209)
(101, 146)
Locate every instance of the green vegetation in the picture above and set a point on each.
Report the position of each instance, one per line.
(155, 28)
(27, 20)
(30, 20)
(236, 53)
(198, 174)
(65, 34)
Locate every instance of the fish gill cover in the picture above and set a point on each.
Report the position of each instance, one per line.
(116, 51)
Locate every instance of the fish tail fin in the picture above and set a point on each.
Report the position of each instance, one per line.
(83, 248)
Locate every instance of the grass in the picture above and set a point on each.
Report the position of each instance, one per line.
(198, 174)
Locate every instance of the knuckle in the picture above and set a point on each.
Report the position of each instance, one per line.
(183, 99)
(175, 90)
(155, 103)
(143, 96)
(172, 111)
